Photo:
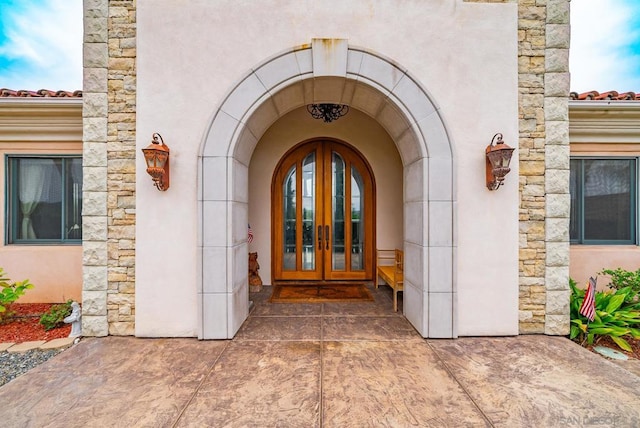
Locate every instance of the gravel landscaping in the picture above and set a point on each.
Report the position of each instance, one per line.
(13, 365)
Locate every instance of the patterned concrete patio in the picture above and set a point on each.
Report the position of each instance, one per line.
(324, 365)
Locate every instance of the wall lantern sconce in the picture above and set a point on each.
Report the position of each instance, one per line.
(497, 162)
(156, 155)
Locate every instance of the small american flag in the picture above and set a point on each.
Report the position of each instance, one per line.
(250, 234)
(588, 307)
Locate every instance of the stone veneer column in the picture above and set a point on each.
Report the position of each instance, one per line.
(558, 202)
(531, 51)
(543, 60)
(109, 111)
(121, 166)
(94, 196)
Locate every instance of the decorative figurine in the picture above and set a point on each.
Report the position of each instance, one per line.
(75, 319)
(255, 282)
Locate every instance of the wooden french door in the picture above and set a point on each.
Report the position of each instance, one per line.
(323, 214)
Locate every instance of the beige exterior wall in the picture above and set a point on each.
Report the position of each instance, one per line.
(498, 64)
(31, 126)
(449, 61)
(588, 260)
(55, 271)
(603, 128)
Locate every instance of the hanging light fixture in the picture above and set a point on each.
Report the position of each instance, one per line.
(327, 112)
(156, 155)
(498, 157)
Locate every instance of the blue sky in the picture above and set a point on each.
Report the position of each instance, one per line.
(605, 45)
(41, 44)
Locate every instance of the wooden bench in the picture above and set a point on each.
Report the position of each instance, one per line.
(390, 267)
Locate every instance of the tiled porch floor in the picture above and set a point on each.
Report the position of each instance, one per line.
(330, 365)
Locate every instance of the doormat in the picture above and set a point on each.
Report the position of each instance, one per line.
(320, 293)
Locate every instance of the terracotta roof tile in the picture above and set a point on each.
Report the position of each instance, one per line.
(46, 93)
(610, 95)
(42, 93)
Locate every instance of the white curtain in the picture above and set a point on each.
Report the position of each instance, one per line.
(606, 177)
(32, 176)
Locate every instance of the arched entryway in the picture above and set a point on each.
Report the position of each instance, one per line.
(328, 71)
(323, 215)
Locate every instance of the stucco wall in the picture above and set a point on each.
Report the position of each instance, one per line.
(588, 260)
(55, 271)
(49, 127)
(452, 48)
(603, 129)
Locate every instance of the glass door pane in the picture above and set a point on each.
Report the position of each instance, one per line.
(309, 212)
(322, 220)
(289, 214)
(357, 221)
(337, 212)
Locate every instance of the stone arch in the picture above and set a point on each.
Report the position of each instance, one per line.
(329, 71)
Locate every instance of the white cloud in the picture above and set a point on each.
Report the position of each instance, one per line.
(603, 35)
(44, 42)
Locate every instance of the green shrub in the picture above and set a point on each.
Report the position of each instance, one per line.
(10, 292)
(616, 316)
(621, 278)
(55, 316)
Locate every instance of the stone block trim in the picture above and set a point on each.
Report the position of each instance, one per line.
(109, 115)
(543, 48)
(94, 209)
(557, 156)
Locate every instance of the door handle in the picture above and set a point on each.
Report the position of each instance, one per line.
(319, 237)
(326, 236)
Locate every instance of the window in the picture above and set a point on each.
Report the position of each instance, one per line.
(44, 201)
(603, 201)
